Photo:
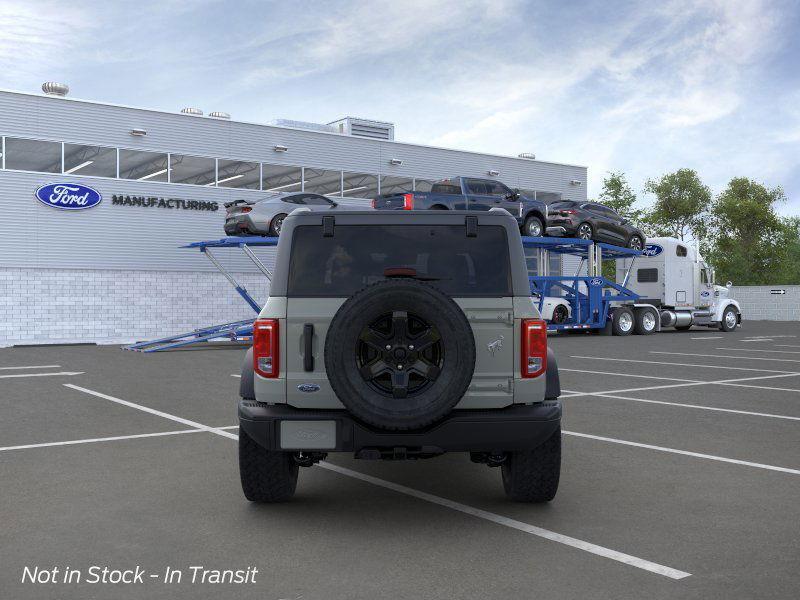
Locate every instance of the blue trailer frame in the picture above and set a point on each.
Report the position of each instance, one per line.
(590, 296)
(235, 331)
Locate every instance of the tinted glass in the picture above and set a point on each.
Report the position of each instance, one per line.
(33, 155)
(280, 178)
(90, 160)
(196, 170)
(647, 275)
(495, 188)
(144, 166)
(238, 174)
(446, 188)
(681, 251)
(360, 185)
(475, 186)
(357, 255)
(308, 200)
(562, 204)
(425, 185)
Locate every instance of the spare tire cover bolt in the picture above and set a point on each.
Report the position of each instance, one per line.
(400, 367)
(411, 346)
(388, 346)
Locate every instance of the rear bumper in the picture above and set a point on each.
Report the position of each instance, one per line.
(517, 427)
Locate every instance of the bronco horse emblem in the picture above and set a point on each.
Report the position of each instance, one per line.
(496, 345)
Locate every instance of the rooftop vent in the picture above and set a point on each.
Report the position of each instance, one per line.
(377, 130)
(192, 111)
(219, 115)
(51, 88)
(303, 125)
(527, 155)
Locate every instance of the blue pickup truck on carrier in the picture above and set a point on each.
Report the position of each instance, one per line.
(467, 193)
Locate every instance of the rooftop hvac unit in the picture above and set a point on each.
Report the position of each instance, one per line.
(527, 155)
(219, 115)
(192, 111)
(377, 130)
(303, 125)
(51, 88)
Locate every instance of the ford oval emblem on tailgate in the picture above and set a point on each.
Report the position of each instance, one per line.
(308, 387)
(68, 196)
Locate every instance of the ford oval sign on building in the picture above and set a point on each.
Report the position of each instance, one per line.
(68, 196)
(652, 250)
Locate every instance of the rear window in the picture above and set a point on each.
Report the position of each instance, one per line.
(446, 186)
(357, 255)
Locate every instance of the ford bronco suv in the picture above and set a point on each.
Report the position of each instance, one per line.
(395, 335)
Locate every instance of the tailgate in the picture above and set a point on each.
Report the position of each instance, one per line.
(395, 201)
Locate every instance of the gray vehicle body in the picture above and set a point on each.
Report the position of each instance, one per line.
(496, 383)
(255, 217)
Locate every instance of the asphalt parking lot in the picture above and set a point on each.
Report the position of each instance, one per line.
(680, 479)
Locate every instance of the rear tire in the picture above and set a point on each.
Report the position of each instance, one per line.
(584, 232)
(635, 243)
(533, 227)
(532, 475)
(276, 225)
(645, 323)
(560, 314)
(622, 322)
(266, 476)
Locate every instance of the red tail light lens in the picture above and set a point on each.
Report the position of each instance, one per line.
(408, 201)
(265, 348)
(373, 202)
(534, 348)
(247, 209)
(568, 212)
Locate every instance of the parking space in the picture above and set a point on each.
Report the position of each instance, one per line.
(681, 468)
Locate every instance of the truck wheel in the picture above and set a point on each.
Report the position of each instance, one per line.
(645, 323)
(729, 320)
(622, 322)
(266, 476)
(399, 354)
(532, 475)
(533, 227)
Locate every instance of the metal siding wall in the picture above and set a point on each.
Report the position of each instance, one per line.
(124, 237)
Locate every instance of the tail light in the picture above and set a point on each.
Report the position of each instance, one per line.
(265, 348)
(372, 202)
(568, 212)
(534, 348)
(247, 209)
(408, 201)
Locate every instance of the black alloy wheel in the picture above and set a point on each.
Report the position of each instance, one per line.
(399, 354)
(635, 243)
(277, 224)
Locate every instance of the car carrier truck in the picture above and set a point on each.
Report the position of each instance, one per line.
(667, 284)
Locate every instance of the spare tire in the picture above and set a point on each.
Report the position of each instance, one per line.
(399, 354)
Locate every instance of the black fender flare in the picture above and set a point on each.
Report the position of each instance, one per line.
(246, 387)
(552, 383)
(534, 212)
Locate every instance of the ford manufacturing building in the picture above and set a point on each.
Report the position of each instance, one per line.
(116, 272)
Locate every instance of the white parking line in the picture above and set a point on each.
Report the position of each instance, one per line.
(708, 337)
(629, 375)
(787, 346)
(513, 523)
(573, 394)
(110, 439)
(794, 360)
(655, 362)
(153, 411)
(65, 373)
(684, 452)
(236, 375)
(31, 367)
(499, 519)
(758, 340)
(759, 350)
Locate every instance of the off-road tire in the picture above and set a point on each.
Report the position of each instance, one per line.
(532, 222)
(619, 321)
(436, 398)
(640, 324)
(532, 475)
(266, 476)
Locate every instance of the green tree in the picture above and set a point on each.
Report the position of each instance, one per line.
(750, 243)
(618, 195)
(681, 205)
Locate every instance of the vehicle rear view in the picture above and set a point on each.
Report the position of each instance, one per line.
(392, 337)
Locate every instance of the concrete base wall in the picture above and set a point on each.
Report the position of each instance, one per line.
(760, 303)
(49, 306)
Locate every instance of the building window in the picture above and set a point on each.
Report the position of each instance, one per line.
(194, 170)
(396, 185)
(237, 174)
(321, 181)
(280, 178)
(33, 155)
(144, 166)
(97, 161)
(359, 185)
(423, 185)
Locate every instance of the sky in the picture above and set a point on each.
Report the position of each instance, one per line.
(639, 87)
